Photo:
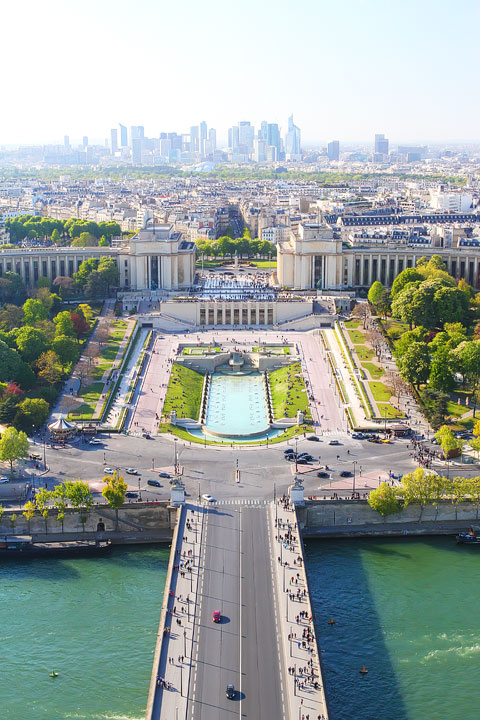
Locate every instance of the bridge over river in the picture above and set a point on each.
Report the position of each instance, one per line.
(229, 557)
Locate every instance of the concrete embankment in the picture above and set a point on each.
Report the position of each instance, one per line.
(137, 523)
(340, 518)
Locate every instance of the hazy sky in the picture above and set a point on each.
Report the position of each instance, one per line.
(345, 68)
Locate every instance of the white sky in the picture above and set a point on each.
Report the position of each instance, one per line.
(346, 68)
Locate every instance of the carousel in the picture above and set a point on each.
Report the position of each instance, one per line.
(61, 430)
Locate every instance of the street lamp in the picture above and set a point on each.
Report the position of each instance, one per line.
(354, 475)
(296, 453)
(175, 441)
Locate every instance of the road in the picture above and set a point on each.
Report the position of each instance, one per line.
(243, 649)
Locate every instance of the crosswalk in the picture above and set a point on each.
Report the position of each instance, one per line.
(238, 501)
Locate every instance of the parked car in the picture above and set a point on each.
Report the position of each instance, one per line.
(314, 438)
(164, 475)
(4, 479)
(346, 473)
(302, 461)
(289, 451)
(230, 692)
(333, 442)
(131, 494)
(154, 483)
(95, 441)
(323, 474)
(108, 470)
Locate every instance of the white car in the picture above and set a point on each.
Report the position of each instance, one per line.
(208, 497)
(95, 441)
(108, 470)
(131, 471)
(4, 479)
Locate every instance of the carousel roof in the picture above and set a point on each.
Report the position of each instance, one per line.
(61, 425)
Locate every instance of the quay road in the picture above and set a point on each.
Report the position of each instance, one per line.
(243, 649)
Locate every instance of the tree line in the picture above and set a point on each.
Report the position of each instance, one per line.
(74, 231)
(244, 246)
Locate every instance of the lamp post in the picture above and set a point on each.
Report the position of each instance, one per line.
(175, 441)
(296, 453)
(354, 475)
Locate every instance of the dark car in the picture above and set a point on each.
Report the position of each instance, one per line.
(154, 483)
(131, 494)
(230, 692)
(315, 438)
(302, 461)
(346, 473)
(164, 475)
(306, 456)
(147, 436)
(289, 451)
(290, 457)
(323, 474)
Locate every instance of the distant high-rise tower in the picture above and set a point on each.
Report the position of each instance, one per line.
(293, 145)
(123, 136)
(212, 139)
(381, 145)
(194, 138)
(113, 140)
(333, 150)
(85, 141)
(233, 137)
(273, 137)
(203, 136)
(66, 142)
(137, 151)
(263, 132)
(246, 133)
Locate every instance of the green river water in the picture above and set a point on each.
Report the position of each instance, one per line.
(405, 608)
(94, 621)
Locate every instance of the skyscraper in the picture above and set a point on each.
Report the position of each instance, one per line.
(85, 141)
(333, 150)
(233, 137)
(246, 133)
(123, 136)
(203, 136)
(293, 147)
(381, 145)
(114, 140)
(194, 138)
(273, 136)
(66, 142)
(212, 139)
(137, 151)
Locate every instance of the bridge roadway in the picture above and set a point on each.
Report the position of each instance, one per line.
(236, 577)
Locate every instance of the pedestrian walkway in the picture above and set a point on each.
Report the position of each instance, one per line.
(169, 688)
(115, 365)
(304, 678)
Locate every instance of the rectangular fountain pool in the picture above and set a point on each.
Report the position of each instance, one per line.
(236, 405)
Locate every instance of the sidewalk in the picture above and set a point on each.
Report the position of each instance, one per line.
(172, 673)
(304, 681)
(115, 364)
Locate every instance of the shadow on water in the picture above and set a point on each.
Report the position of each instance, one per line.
(339, 589)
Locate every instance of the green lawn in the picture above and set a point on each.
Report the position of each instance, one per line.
(83, 412)
(455, 409)
(288, 391)
(184, 392)
(389, 410)
(264, 264)
(274, 350)
(356, 336)
(363, 352)
(375, 371)
(208, 264)
(185, 435)
(395, 328)
(380, 392)
(200, 350)
(352, 323)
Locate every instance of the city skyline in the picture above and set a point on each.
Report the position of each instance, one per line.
(346, 72)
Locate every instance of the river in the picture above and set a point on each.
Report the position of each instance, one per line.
(407, 610)
(92, 620)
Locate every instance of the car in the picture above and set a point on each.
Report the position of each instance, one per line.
(306, 456)
(333, 442)
(131, 471)
(4, 479)
(323, 474)
(154, 483)
(164, 475)
(346, 473)
(357, 435)
(95, 441)
(230, 692)
(216, 617)
(207, 497)
(131, 494)
(290, 457)
(314, 438)
(108, 470)
(147, 436)
(289, 451)
(302, 461)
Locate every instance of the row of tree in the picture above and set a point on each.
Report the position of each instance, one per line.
(242, 247)
(61, 232)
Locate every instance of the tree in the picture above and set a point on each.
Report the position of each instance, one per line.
(42, 498)
(13, 368)
(64, 324)
(60, 502)
(66, 348)
(103, 242)
(31, 343)
(13, 446)
(107, 268)
(85, 269)
(472, 490)
(435, 403)
(31, 413)
(86, 311)
(85, 240)
(384, 500)
(422, 487)
(12, 289)
(29, 510)
(11, 316)
(80, 325)
(49, 368)
(415, 364)
(83, 372)
(441, 370)
(468, 356)
(56, 239)
(375, 293)
(363, 312)
(406, 276)
(448, 442)
(402, 306)
(451, 305)
(33, 311)
(79, 495)
(65, 285)
(114, 492)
